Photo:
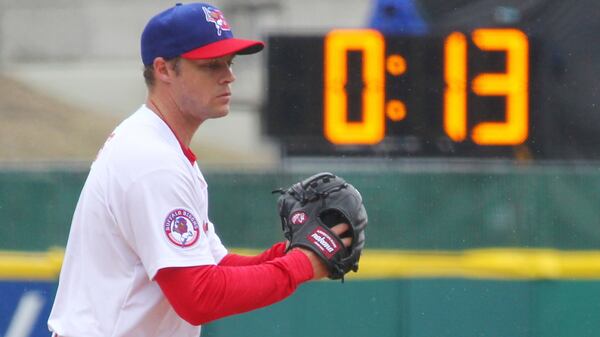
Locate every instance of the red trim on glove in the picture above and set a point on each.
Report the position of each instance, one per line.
(277, 250)
(202, 294)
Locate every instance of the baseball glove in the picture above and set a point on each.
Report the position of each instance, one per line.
(309, 208)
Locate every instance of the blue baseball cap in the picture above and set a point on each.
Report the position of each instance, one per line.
(192, 31)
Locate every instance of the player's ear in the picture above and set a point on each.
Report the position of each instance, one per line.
(162, 72)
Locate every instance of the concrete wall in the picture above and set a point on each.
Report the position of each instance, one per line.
(87, 53)
(70, 30)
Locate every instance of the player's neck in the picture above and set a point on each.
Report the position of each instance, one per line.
(170, 113)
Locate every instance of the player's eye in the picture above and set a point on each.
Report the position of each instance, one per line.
(214, 64)
(217, 65)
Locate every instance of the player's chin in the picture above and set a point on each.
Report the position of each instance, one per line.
(223, 106)
(222, 111)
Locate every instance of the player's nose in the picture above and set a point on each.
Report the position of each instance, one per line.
(229, 76)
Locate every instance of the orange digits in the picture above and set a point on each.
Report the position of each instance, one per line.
(513, 84)
(371, 129)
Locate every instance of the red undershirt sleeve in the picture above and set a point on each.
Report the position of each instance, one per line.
(202, 294)
(277, 250)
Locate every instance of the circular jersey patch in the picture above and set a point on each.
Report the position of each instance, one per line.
(182, 228)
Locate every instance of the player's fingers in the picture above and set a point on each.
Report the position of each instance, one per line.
(341, 228)
(347, 242)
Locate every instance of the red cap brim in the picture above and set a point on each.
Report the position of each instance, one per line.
(225, 47)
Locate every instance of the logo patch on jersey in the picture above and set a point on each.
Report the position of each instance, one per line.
(298, 218)
(182, 228)
(216, 16)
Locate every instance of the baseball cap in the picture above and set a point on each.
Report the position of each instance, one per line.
(192, 31)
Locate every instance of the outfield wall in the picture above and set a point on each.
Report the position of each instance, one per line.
(491, 252)
(431, 208)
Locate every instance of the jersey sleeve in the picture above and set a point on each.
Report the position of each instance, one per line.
(217, 248)
(164, 214)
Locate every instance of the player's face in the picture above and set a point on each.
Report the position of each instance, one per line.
(203, 87)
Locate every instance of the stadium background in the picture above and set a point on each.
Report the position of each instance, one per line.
(456, 248)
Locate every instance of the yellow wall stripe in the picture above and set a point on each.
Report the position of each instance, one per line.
(493, 263)
(490, 263)
(31, 266)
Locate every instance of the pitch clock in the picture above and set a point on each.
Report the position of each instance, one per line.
(358, 92)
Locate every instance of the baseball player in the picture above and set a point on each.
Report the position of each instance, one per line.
(143, 258)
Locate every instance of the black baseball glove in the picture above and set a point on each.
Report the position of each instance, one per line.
(308, 210)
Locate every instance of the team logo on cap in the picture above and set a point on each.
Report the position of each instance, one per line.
(216, 16)
(182, 228)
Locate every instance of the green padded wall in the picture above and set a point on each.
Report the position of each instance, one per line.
(531, 207)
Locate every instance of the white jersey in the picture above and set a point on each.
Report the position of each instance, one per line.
(144, 207)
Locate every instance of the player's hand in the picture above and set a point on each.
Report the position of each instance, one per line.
(319, 268)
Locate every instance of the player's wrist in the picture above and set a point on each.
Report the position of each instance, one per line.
(318, 267)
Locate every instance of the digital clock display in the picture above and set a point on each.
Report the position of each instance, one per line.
(358, 92)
